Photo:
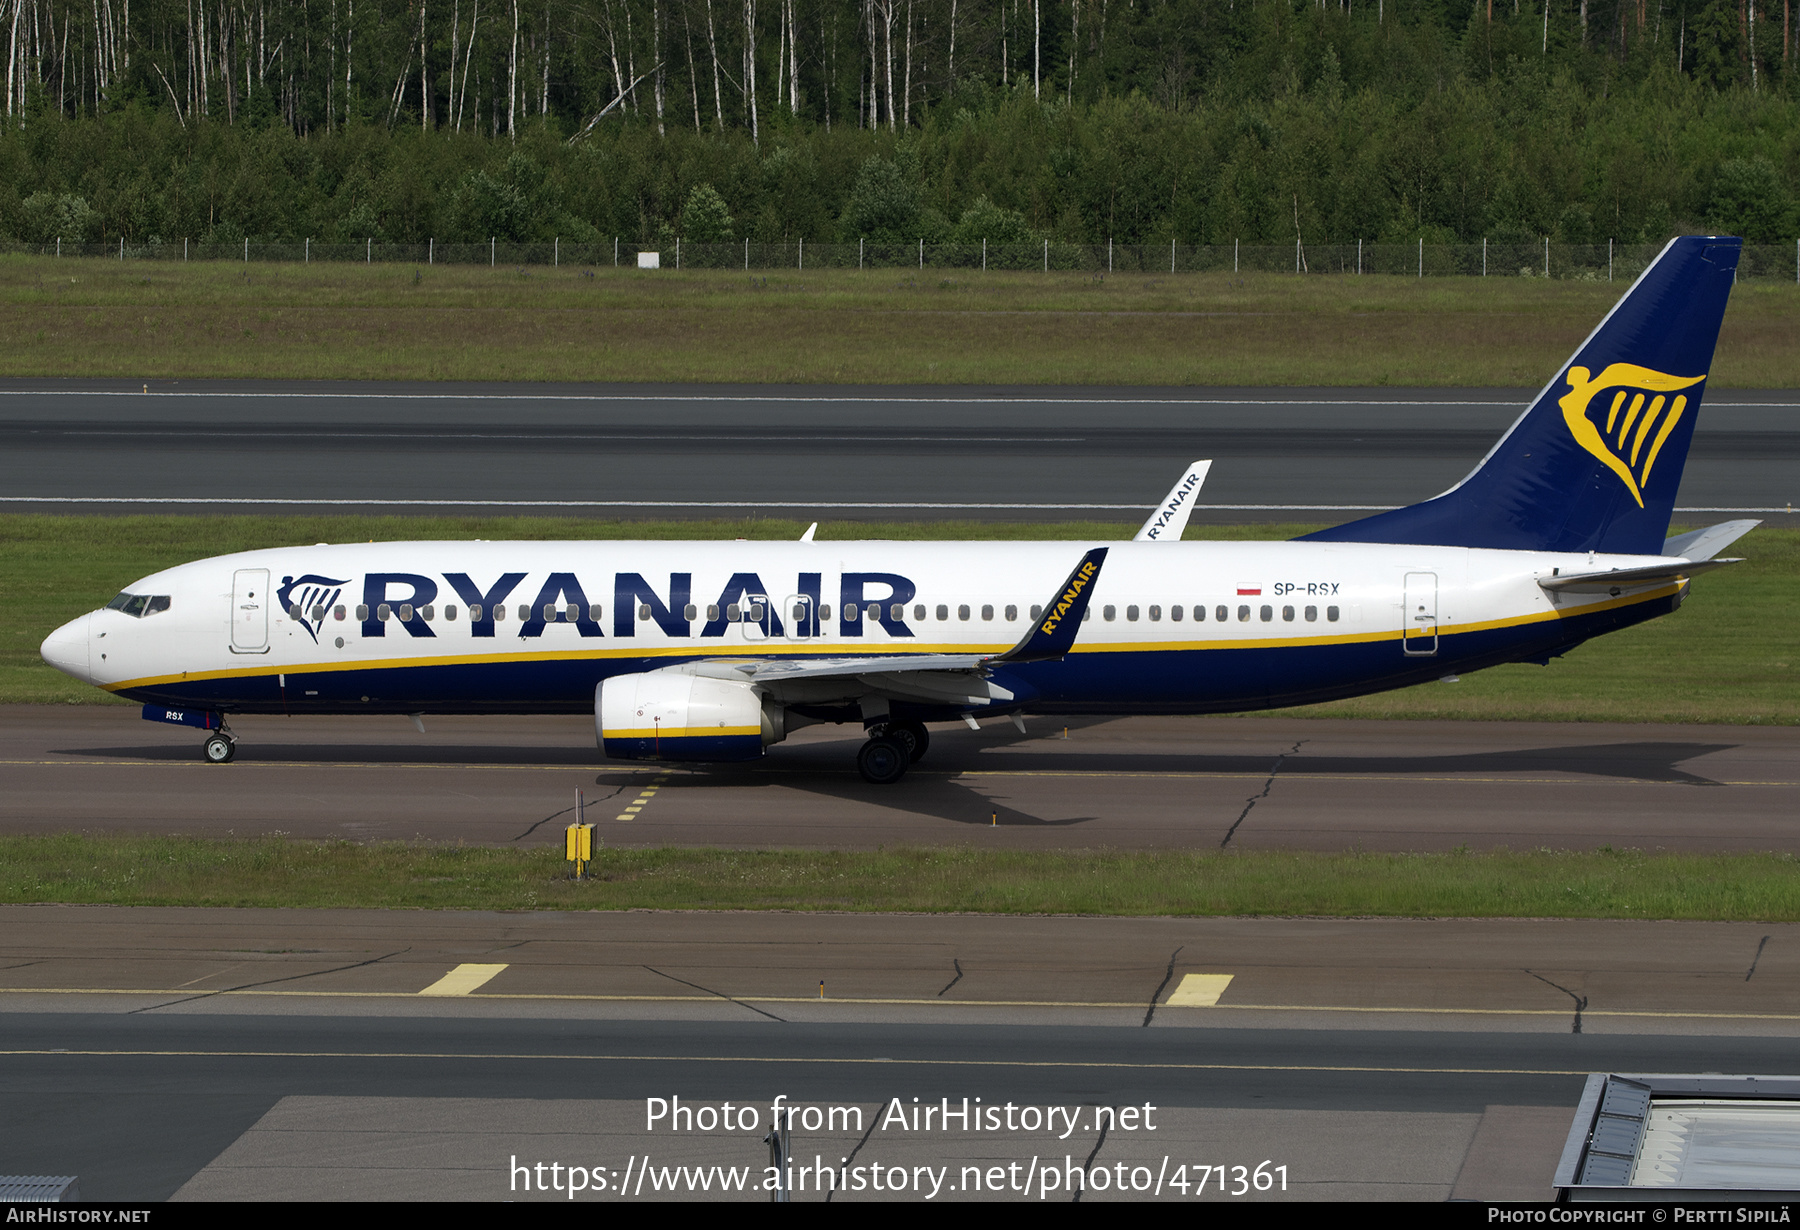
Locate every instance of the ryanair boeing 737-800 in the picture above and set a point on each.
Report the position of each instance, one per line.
(711, 651)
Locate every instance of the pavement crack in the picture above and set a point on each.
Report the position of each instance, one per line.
(1168, 976)
(616, 791)
(740, 1003)
(959, 973)
(1753, 960)
(269, 982)
(1259, 796)
(874, 1117)
(1087, 1167)
(1581, 1002)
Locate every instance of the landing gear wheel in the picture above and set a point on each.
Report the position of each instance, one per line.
(219, 749)
(883, 761)
(913, 733)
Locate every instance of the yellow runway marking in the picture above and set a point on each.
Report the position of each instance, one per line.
(1198, 991)
(644, 796)
(463, 979)
(1135, 1005)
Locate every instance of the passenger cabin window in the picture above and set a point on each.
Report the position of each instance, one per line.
(691, 612)
(384, 612)
(1221, 614)
(1331, 614)
(962, 612)
(1267, 613)
(943, 612)
(1287, 614)
(1175, 613)
(1110, 613)
(475, 612)
(987, 613)
(919, 612)
(1037, 612)
(1243, 614)
(1012, 614)
(735, 616)
(896, 612)
(362, 611)
(450, 613)
(1312, 614)
(1131, 613)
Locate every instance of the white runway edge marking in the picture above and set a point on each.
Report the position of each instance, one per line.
(266, 501)
(1198, 991)
(1015, 400)
(463, 979)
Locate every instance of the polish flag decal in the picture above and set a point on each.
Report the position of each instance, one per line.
(1249, 590)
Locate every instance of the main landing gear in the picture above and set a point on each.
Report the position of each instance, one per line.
(892, 748)
(220, 746)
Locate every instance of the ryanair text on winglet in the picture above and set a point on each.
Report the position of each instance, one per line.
(1186, 489)
(1082, 576)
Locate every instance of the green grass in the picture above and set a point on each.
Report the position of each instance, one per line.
(272, 872)
(155, 320)
(1728, 656)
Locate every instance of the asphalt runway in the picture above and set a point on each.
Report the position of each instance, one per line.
(825, 451)
(306, 1055)
(1202, 783)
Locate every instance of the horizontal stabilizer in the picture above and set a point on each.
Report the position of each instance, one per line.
(1706, 543)
(1618, 579)
(1170, 519)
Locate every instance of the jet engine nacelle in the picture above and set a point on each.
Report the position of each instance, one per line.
(673, 715)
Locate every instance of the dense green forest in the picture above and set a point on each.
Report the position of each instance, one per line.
(1199, 121)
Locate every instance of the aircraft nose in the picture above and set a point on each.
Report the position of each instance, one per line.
(67, 649)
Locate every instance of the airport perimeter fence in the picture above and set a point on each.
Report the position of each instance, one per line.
(1545, 259)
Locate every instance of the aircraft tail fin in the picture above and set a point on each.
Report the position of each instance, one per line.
(1594, 464)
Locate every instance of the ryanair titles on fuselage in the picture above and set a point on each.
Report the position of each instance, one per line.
(562, 596)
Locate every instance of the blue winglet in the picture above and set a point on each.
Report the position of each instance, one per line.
(1054, 633)
(1594, 464)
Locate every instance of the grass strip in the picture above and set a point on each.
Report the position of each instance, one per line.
(226, 320)
(281, 872)
(1728, 656)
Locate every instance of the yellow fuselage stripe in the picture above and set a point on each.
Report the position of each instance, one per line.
(842, 649)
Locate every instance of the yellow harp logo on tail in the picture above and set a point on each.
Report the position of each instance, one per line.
(1639, 415)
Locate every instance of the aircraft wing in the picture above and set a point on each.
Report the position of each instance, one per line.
(1611, 582)
(941, 678)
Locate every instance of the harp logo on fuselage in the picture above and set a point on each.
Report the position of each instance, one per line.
(1623, 416)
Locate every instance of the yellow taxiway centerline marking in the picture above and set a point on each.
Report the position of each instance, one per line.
(1198, 991)
(463, 979)
(1574, 777)
(1137, 1005)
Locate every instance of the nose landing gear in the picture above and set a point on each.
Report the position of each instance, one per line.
(220, 746)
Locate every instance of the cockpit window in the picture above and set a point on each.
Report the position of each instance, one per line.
(139, 605)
